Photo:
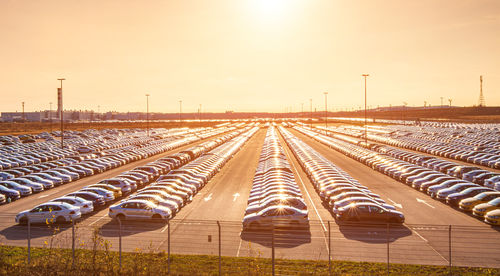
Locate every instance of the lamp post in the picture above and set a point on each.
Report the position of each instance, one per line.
(50, 117)
(24, 118)
(147, 113)
(326, 113)
(311, 121)
(366, 135)
(180, 112)
(60, 102)
(404, 111)
(199, 114)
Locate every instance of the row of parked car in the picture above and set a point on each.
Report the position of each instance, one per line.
(440, 186)
(477, 146)
(95, 197)
(468, 173)
(162, 199)
(25, 181)
(275, 198)
(343, 195)
(473, 174)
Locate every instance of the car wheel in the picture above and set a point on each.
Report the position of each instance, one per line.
(393, 220)
(60, 220)
(120, 217)
(296, 225)
(353, 219)
(254, 225)
(23, 221)
(156, 217)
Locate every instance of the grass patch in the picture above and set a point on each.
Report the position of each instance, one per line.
(13, 261)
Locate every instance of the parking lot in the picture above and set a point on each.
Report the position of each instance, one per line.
(422, 239)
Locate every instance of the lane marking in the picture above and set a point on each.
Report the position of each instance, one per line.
(209, 197)
(239, 247)
(46, 195)
(395, 204)
(425, 202)
(426, 241)
(235, 196)
(305, 189)
(96, 221)
(164, 228)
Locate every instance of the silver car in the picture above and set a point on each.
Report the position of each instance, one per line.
(276, 216)
(51, 212)
(139, 209)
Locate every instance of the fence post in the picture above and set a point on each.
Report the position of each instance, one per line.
(329, 251)
(220, 247)
(449, 246)
(272, 250)
(29, 240)
(73, 242)
(388, 249)
(168, 247)
(120, 241)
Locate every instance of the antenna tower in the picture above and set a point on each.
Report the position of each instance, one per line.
(481, 96)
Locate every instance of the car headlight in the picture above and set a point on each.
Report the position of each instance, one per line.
(401, 215)
(494, 217)
(466, 203)
(481, 210)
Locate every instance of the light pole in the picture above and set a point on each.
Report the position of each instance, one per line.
(449, 101)
(50, 117)
(180, 112)
(147, 113)
(311, 121)
(404, 111)
(60, 102)
(366, 135)
(24, 118)
(326, 113)
(199, 114)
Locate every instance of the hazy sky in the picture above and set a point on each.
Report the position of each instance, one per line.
(247, 55)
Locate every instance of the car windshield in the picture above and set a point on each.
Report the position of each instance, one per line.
(480, 196)
(495, 202)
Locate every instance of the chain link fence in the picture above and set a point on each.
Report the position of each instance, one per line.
(326, 241)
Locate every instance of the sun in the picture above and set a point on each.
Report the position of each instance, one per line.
(271, 11)
(270, 7)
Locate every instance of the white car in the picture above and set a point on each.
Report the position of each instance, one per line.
(139, 209)
(86, 206)
(276, 216)
(50, 212)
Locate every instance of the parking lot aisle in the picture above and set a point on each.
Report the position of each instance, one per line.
(417, 207)
(224, 198)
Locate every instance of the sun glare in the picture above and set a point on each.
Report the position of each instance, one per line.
(271, 11)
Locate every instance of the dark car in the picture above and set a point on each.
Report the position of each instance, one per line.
(455, 198)
(369, 212)
(97, 200)
(10, 194)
